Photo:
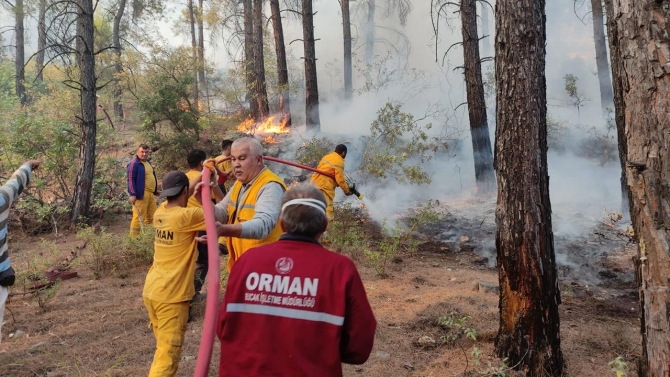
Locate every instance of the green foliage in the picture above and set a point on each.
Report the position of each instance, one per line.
(576, 98)
(45, 295)
(386, 250)
(384, 71)
(162, 85)
(619, 367)
(105, 255)
(456, 327)
(312, 150)
(141, 246)
(398, 146)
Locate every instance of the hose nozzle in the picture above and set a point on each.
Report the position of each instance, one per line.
(353, 190)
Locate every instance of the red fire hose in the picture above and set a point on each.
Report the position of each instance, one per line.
(274, 159)
(211, 311)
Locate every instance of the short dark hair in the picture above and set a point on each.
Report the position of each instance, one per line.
(303, 220)
(340, 148)
(144, 146)
(195, 157)
(226, 143)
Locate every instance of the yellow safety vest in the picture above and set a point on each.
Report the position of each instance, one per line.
(244, 209)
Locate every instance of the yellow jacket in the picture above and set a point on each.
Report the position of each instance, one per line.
(331, 163)
(245, 212)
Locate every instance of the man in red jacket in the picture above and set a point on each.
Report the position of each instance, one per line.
(292, 307)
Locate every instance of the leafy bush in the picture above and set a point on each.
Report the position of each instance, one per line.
(141, 246)
(398, 146)
(312, 151)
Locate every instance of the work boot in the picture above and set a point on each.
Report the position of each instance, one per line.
(223, 249)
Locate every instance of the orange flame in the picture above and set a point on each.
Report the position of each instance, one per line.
(270, 125)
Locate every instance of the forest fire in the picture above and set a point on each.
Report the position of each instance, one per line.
(271, 125)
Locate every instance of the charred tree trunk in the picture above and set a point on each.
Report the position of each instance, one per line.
(311, 88)
(194, 47)
(118, 92)
(19, 60)
(346, 28)
(529, 295)
(486, 38)
(84, 183)
(619, 108)
(370, 33)
(642, 30)
(479, 128)
(282, 67)
(201, 50)
(606, 96)
(41, 39)
(261, 93)
(249, 55)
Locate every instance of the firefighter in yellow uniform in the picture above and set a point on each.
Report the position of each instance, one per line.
(251, 208)
(332, 163)
(168, 287)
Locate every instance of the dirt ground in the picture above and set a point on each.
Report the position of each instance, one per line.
(99, 327)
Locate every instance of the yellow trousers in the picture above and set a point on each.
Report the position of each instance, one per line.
(330, 209)
(169, 324)
(147, 207)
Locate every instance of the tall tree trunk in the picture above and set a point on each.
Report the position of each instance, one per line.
(346, 28)
(201, 50)
(642, 30)
(194, 47)
(479, 128)
(282, 68)
(486, 38)
(261, 93)
(370, 33)
(84, 183)
(41, 39)
(19, 60)
(311, 88)
(606, 96)
(529, 295)
(118, 92)
(619, 108)
(249, 55)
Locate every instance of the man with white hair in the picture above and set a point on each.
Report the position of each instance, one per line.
(294, 308)
(250, 210)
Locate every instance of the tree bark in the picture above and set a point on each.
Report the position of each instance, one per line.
(606, 95)
(529, 295)
(370, 33)
(479, 128)
(619, 107)
(85, 176)
(642, 30)
(194, 47)
(201, 50)
(118, 92)
(19, 60)
(311, 88)
(249, 55)
(261, 93)
(41, 39)
(346, 28)
(282, 67)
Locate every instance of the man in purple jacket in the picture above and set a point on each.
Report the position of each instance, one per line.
(142, 188)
